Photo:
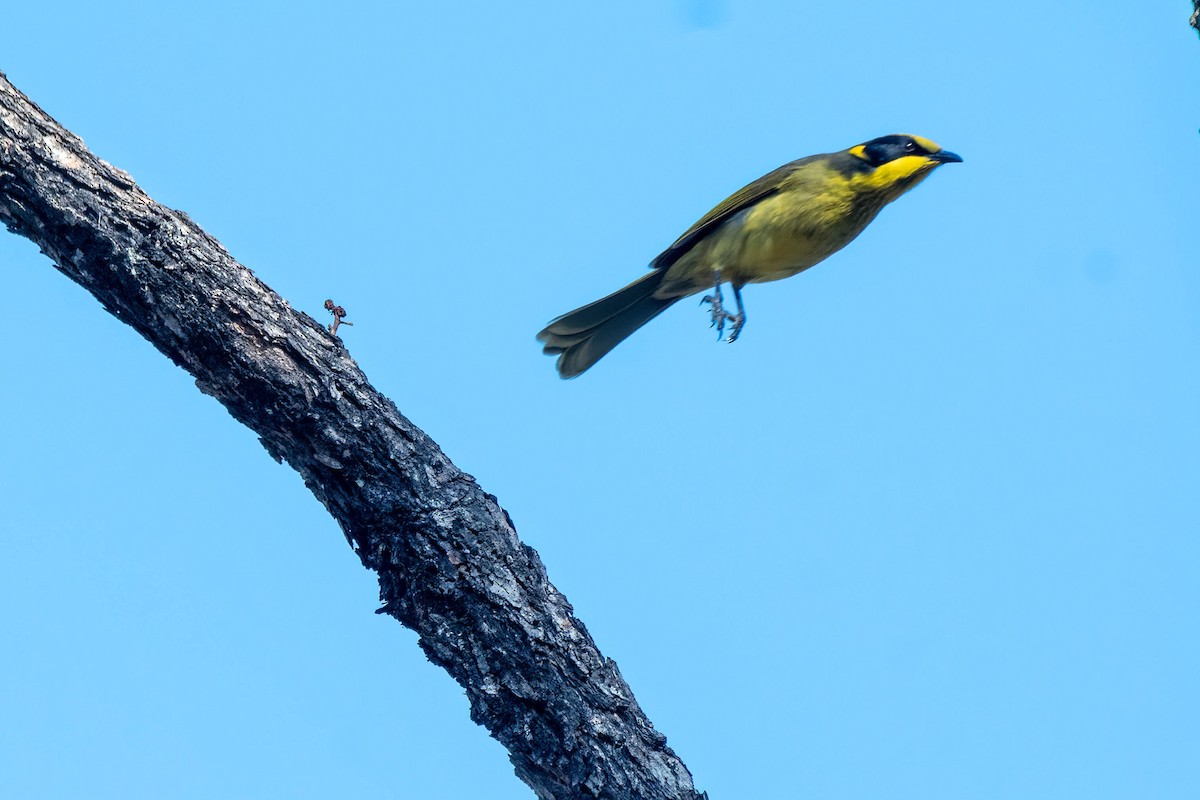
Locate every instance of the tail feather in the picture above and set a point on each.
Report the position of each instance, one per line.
(582, 337)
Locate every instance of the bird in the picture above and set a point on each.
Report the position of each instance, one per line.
(778, 226)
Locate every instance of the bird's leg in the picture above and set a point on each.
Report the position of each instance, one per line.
(738, 319)
(719, 314)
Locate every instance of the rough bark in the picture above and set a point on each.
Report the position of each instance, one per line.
(1195, 20)
(449, 562)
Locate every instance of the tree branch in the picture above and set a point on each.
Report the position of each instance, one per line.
(449, 562)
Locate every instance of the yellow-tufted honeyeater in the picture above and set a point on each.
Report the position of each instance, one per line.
(783, 223)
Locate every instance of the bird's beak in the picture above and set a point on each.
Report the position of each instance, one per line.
(946, 157)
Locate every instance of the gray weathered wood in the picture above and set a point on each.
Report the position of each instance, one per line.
(449, 562)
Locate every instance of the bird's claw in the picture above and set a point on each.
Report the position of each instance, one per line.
(719, 314)
(738, 321)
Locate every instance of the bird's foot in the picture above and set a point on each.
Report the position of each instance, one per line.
(738, 321)
(719, 314)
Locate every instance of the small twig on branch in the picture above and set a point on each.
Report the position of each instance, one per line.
(338, 312)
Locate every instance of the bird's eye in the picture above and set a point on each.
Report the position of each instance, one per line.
(910, 147)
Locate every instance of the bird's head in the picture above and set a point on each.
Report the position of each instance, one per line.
(894, 164)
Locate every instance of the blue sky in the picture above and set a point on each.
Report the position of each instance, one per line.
(928, 530)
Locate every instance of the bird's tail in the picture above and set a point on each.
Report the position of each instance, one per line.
(581, 337)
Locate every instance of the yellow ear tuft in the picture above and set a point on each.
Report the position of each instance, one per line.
(900, 174)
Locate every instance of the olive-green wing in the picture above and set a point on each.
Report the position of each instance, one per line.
(740, 200)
